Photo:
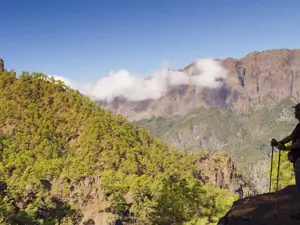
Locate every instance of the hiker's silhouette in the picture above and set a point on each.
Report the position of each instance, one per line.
(240, 191)
(294, 150)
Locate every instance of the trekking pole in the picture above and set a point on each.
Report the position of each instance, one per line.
(271, 172)
(278, 170)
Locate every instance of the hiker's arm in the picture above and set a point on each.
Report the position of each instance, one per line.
(295, 146)
(287, 139)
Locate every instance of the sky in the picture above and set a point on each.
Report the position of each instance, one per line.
(85, 40)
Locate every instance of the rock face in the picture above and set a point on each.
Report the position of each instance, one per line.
(88, 196)
(272, 72)
(260, 209)
(227, 177)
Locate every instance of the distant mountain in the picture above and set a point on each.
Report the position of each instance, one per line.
(272, 73)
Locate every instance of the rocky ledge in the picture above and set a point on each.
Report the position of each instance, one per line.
(260, 209)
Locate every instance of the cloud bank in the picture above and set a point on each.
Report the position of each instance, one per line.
(206, 73)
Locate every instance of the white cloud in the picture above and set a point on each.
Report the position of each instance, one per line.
(136, 88)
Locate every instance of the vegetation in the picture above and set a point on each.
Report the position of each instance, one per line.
(159, 125)
(50, 132)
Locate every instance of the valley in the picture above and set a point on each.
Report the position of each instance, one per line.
(252, 106)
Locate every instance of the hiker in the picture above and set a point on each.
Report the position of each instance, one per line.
(294, 150)
(240, 191)
(294, 154)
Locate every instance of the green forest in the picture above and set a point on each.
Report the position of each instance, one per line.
(51, 134)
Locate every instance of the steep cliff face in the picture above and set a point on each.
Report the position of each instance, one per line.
(273, 73)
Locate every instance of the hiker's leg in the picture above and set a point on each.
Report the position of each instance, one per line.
(297, 173)
(297, 178)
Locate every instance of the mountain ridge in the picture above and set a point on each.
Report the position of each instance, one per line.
(251, 78)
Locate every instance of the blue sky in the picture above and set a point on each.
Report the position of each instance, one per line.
(84, 40)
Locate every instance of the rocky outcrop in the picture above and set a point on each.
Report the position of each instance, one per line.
(264, 210)
(272, 72)
(221, 171)
(88, 196)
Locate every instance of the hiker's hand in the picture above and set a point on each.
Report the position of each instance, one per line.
(281, 146)
(274, 142)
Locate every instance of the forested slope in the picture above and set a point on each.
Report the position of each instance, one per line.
(52, 139)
